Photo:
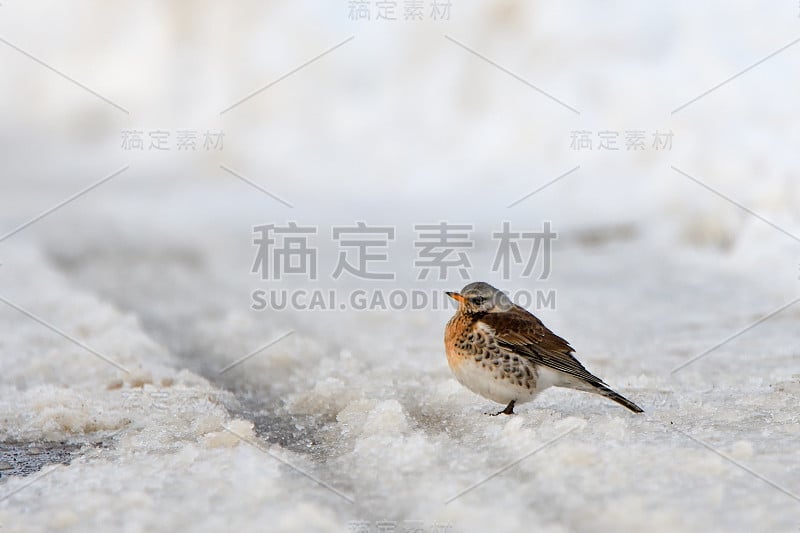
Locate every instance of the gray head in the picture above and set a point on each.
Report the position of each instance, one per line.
(480, 297)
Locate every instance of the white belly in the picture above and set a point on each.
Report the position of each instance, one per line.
(490, 384)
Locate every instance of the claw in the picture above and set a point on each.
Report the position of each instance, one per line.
(509, 410)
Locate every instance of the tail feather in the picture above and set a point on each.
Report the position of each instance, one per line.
(595, 385)
(620, 399)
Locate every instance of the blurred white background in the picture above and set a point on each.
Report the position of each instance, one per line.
(402, 112)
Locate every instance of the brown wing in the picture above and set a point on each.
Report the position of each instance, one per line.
(523, 334)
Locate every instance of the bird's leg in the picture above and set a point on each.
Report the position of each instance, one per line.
(509, 410)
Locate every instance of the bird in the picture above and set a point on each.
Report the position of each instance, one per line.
(502, 352)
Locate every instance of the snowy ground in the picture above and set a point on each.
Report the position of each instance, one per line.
(119, 310)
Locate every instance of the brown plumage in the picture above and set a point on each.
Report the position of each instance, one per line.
(504, 353)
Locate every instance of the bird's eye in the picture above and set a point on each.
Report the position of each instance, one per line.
(478, 300)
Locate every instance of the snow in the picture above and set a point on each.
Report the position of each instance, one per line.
(354, 419)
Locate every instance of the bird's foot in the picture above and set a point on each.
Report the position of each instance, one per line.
(509, 410)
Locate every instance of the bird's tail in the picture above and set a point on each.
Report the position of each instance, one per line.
(589, 383)
(620, 399)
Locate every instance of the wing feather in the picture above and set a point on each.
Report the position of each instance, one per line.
(520, 332)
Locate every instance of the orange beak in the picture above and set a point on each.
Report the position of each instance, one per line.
(455, 296)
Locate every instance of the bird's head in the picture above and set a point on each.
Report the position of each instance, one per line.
(480, 297)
